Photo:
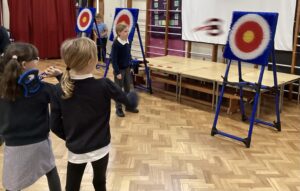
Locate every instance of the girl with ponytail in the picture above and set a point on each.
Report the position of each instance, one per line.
(24, 123)
(14, 61)
(81, 117)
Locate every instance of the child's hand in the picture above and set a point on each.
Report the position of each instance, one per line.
(119, 77)
(52, 72)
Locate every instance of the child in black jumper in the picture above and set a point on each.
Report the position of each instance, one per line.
(24, 123)
(121, 59)
(81, 117)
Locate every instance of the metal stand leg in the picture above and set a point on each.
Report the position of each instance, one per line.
(149, 84)
(259, 105)
(277, 124)
(247, 140)
(107, 61)
(278, 106)
(214, 127)
(281, 94)
(242, 108)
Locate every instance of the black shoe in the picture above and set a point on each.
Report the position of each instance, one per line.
(120, 113)
(135, 110)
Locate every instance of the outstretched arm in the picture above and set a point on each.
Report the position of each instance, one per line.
(130, 100)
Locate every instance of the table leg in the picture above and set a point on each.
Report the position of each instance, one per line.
(213, 95)
(217, 94)
(258, 105)
(281, 97)
(179, 91)
(299, 91)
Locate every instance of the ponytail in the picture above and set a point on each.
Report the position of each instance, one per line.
(11, 68)
(77, 54)
(9, 88)
(67, 85)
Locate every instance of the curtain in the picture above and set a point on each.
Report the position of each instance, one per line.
(46, 24)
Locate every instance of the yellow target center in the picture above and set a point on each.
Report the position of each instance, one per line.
(248, 36)
(84, 19)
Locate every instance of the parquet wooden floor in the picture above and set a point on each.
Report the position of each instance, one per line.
(168, 147)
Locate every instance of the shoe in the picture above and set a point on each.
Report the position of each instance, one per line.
(120, 113)
(135, 110)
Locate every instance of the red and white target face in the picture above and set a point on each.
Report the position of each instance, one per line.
(249, 37)
(84, 19)
(124, 16)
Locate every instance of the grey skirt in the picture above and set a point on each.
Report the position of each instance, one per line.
(23, 165)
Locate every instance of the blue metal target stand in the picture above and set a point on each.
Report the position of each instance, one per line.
(85, 21)
(135, 64)
(106, 62)
(251, 39)
(130, 17)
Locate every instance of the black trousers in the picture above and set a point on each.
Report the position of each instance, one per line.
(75, 173)
(101, 47)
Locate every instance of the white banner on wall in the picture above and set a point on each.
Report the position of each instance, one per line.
(209, 20)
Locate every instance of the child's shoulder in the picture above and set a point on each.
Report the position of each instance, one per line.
(51, 88)
(103, 81)
(116, 42)
(47, 85)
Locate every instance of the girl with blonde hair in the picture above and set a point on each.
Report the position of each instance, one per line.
(81, 116)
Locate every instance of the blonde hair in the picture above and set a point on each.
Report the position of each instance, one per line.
(120, 27)
(77, 54)
(99, 16)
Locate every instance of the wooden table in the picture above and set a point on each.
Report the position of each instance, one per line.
(212, 72)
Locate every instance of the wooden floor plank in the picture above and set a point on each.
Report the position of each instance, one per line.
(168, 147)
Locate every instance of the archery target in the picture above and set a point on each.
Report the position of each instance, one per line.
(126, 16)
(85, 19)
(249, 36)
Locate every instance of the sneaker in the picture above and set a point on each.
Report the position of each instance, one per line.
(120, 113)
(135, 110)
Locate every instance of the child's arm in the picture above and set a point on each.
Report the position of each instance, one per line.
(130, 55)
(56, 122)
(114, 58)
(105, 31)
(130, 100)
(95, 34)
(52, 72)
